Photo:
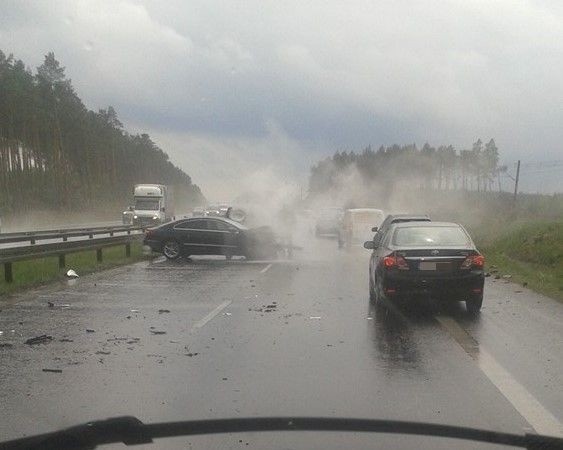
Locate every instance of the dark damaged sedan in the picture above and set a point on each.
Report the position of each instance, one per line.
(426, 258)
(211, 236)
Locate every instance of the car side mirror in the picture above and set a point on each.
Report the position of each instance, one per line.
(370, 245)
(375, 229)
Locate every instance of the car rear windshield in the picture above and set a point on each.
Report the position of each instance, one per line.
(430, 236)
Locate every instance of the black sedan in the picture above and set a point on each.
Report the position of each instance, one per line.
(211, 236)
(426, 258)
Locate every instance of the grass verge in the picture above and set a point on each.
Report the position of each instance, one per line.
(532, 253)
(39, 271)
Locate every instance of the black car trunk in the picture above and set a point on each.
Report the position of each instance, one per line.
(431, 262)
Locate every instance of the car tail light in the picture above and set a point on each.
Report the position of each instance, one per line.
(477, 261)
(395, 261)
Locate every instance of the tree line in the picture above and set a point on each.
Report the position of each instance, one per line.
(57, 154)
(439, 168)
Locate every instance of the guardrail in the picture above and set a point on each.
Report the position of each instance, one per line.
(10, 255)
(33, 236)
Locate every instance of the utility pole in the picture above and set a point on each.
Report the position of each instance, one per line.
(516, 181)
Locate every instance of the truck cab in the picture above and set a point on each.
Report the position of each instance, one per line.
(152, 205)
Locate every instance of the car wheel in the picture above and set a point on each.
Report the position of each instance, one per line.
(474, 303)
(171, 249)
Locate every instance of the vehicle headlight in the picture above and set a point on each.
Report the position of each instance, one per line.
(154, 217)
(135, 217)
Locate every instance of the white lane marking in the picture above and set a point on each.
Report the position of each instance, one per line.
(265, 269)
(211, 315)
(521, 399)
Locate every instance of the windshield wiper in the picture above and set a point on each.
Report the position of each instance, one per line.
(131, 431)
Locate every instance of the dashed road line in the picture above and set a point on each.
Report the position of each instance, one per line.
(265, 269)
(210, 316)
(543, 421)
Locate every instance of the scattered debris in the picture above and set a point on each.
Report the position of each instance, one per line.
(192, 354)
(162, 311)
(66, 340)
(228, 314)
(89, 330)
(52, 370)
(157, 332)
(59, 305)
(315, 317)
(134, 310)
(71, 274)
(44, 338)
(101, 352)
(497, 277)
(507, 276)
(128, 317)
(6, 345)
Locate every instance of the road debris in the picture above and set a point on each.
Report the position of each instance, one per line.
(315, 317)
(52, 370)
(58, 305)
(163, 311)
(43, 339)
(89, 330)
(507, 276)
(134, 310)
(71, 274)
(6, 345)
(66, 340)
(101, 352)
(157, 332)
(191, 354)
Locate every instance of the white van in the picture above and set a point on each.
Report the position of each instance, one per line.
(357, 224)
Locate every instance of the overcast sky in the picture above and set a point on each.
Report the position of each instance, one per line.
(227, 87)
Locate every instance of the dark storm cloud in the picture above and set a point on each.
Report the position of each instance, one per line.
(326, 75)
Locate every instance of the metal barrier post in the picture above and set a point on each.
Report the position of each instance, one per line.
(127, 250)
(62, 261)
(99, 255)
(8, 275)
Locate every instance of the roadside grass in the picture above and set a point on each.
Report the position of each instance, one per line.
(531, 252)
(40, 271)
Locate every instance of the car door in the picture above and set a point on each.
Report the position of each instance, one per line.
(380, 241)
(223, 237)
(215, 237)
(191, 234)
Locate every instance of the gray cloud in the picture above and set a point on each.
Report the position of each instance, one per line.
(329, 75)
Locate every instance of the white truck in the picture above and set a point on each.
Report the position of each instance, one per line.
(153, 204)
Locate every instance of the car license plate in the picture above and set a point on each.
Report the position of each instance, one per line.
(427, 265)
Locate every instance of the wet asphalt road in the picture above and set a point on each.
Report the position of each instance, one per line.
(293, 337)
